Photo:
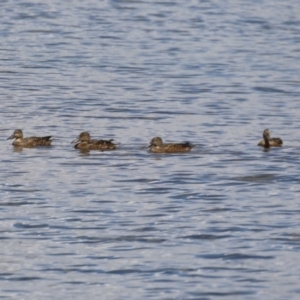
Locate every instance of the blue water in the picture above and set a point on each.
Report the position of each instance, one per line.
(220, 222)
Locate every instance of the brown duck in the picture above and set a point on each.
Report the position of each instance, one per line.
(29, 142)
(84, 142)
(268, 142)
(157, 146)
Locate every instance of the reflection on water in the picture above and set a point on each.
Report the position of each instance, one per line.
(219, 221)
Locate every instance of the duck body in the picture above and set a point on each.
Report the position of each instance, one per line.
(157, 146)
(268, 142)
(274, 142)
(29, 142)
(84, 142)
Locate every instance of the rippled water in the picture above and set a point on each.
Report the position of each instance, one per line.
(219, 222)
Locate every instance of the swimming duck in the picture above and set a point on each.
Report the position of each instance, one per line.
(29, 142)
(157, 146)
(84, 142)
(268, 142)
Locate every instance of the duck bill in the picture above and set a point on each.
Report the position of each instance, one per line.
(11, 137)
(75, 141)
(147, 146)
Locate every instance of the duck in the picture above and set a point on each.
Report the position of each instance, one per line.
(268, 142)
(156, 145)
(29, 142)
(84, 142)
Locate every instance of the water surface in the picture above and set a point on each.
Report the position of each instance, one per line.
(219, 222)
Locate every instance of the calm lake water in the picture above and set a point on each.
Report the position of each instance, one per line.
(220, 222)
